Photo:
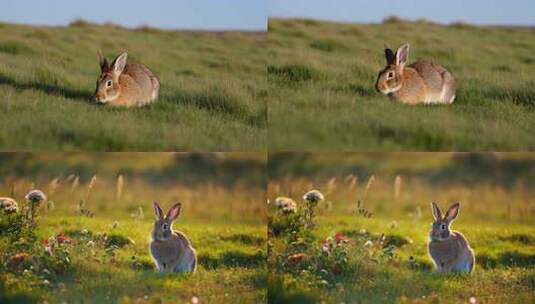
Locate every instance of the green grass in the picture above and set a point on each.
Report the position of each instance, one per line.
(212, 94)
(229, 267)
(496, 216)
(223, 216)
(322, 96)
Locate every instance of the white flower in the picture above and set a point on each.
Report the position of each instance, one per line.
(46, 282)
(85, 231)
(313, 196)
(90, 244)
(35, 196)
(472, 300)
(8, 204)
(368, 243)
(194, 300)
(286, 205)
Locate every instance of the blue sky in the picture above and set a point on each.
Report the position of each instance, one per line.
(503, 12)
(168, 14)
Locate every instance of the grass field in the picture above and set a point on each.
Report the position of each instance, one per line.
(322, 78)
(213, 90)
(109, 258)
(496, 217)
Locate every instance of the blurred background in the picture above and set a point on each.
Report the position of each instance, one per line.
(210, 186)
(489, 185)
(491, 12)
(245, 15)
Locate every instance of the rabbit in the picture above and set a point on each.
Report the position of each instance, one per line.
(449, 250)
(171, 250)
(125, 84)
(422, 82)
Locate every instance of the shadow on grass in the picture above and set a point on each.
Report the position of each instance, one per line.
(244, 239)
(519, 95)
(233, 259)
(520, 238)
(507, 259)
(46, 88)
(218, 102)
(8, 296)
(412, 138)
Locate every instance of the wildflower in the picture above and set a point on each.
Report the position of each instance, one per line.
(35, 197)
(9, 205)
(285, 204)
(296, 258)
(19, 258)
(313, 196)
(62, 239)
(368, 243)
(46, 282)
(194, 300)
(85, 231)
(90, 244)
(472, 300)
(340, 238)
(326, 248)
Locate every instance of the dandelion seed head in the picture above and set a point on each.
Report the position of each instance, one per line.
(35, 196)
(313, 196)
(286, 204)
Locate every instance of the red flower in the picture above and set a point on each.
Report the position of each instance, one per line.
(339, 238)
(62, 239)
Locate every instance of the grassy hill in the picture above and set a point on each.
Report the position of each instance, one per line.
(212, 90)
(108, 258)
(322, 78)
(385, 258)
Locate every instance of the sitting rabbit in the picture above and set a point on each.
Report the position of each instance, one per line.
(171, 250)
(125, 85)
(449, 250)
(422, 82)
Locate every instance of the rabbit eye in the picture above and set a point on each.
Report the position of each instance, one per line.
(443, 227)
(165, 226)
(390, 75)
(108, 83)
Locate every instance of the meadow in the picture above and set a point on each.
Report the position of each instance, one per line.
(375, 221)
(322, 87)
(213, 89)
(99, 228)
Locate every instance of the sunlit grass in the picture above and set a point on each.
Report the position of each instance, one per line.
(322, 78)
(211, 94)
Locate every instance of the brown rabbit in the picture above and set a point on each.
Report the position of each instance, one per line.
(449, 250)
(171, 250)
(422, 82)
(125, 84)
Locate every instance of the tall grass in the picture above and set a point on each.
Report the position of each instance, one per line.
(108, 245)
(211, 94)
(387, 259)
(322, 76)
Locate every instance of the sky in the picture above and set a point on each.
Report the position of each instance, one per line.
(482, 12)
(248, 15)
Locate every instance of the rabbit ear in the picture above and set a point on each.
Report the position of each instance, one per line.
(119, 63)
(437, 214)
(174, 212)
(402, 55)
(452, 212)
(158, 211)
(104, 66)
(389, 55)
